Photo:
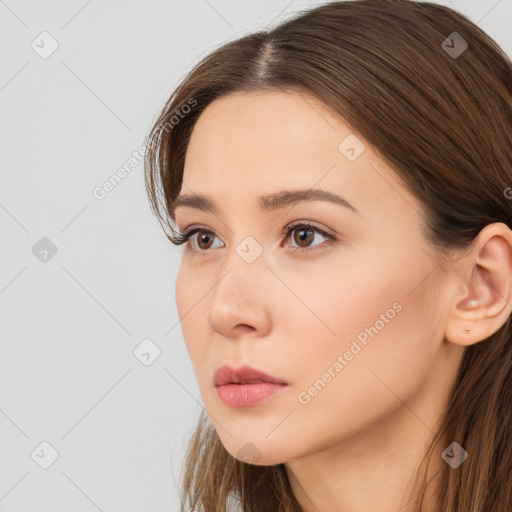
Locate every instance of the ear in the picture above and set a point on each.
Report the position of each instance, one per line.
(483, 300)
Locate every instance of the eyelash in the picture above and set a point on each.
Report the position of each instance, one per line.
(181, 238)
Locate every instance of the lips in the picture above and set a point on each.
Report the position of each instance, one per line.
(244, 375)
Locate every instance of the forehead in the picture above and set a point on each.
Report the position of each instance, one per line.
(266, 112)
(271, 133)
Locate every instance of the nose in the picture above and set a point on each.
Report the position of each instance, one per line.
(241, 299)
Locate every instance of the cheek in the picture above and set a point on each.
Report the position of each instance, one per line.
(191, 294)
(379, 320)
(190, 309)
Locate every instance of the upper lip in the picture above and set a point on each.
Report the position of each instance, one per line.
(243, 375)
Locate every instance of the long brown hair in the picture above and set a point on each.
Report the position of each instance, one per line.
(440, 114)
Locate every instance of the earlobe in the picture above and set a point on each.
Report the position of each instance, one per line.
(486, 275)
(474, 303)
(463, 326)
(471, 304)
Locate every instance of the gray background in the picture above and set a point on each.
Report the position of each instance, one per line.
(70, 321)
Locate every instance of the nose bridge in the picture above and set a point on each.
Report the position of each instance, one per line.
(243, 266)
(238, 288)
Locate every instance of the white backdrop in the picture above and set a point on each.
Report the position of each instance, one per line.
(90, 419)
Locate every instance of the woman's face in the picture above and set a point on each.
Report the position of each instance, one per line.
(354, 326)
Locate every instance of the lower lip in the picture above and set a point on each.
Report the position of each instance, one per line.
(244, 395)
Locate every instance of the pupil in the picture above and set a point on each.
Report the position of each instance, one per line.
(303, 237)
(204, 238)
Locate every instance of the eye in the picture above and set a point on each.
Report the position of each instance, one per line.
(205, 236)
(305, 235)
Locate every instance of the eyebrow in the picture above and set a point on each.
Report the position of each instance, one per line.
(268, 202)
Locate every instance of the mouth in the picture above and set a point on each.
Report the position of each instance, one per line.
(244, 375)
(245, 386)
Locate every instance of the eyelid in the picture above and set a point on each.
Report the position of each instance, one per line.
(284, 231)
(307, 223)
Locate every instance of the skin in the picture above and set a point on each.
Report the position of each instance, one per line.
(359, 440)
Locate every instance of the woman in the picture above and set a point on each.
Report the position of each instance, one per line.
(342, 185)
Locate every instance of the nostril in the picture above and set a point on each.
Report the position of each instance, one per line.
(243, 328)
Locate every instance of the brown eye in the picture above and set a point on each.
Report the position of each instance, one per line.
(199, 240)
(204, 237)
(305, 236)
(302, 235)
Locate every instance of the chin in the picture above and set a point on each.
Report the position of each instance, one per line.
(256, 453)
